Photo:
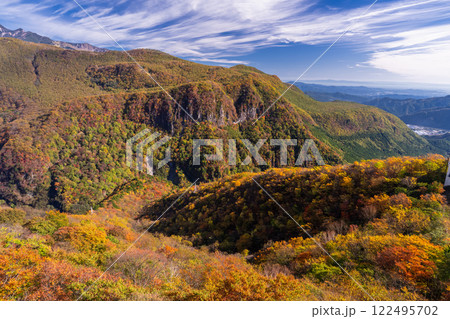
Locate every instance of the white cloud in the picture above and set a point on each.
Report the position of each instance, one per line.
(419, 55)
(207, 28)
(220, 61)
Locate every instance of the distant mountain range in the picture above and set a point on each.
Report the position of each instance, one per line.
(408, 107)
(36, 38)
(330, 92)
(417, 107)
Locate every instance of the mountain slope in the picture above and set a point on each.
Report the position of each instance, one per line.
(402, 107)
(238, 214)
(435, 118)
(36, 38)
(57, 256)
(430, 112)
(359, 131)
(69, 113)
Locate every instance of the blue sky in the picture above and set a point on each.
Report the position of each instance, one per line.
(395, 41)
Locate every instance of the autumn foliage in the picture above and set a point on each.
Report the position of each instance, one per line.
(384, 222)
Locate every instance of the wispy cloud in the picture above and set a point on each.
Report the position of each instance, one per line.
(220, 61)
(202, 28)
(404, 37)
(419, 55)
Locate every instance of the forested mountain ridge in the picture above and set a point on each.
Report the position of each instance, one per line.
(238, 214)
(435, 118)
(67, 114)
(429, 112)
(384, 221)
(402, 107)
